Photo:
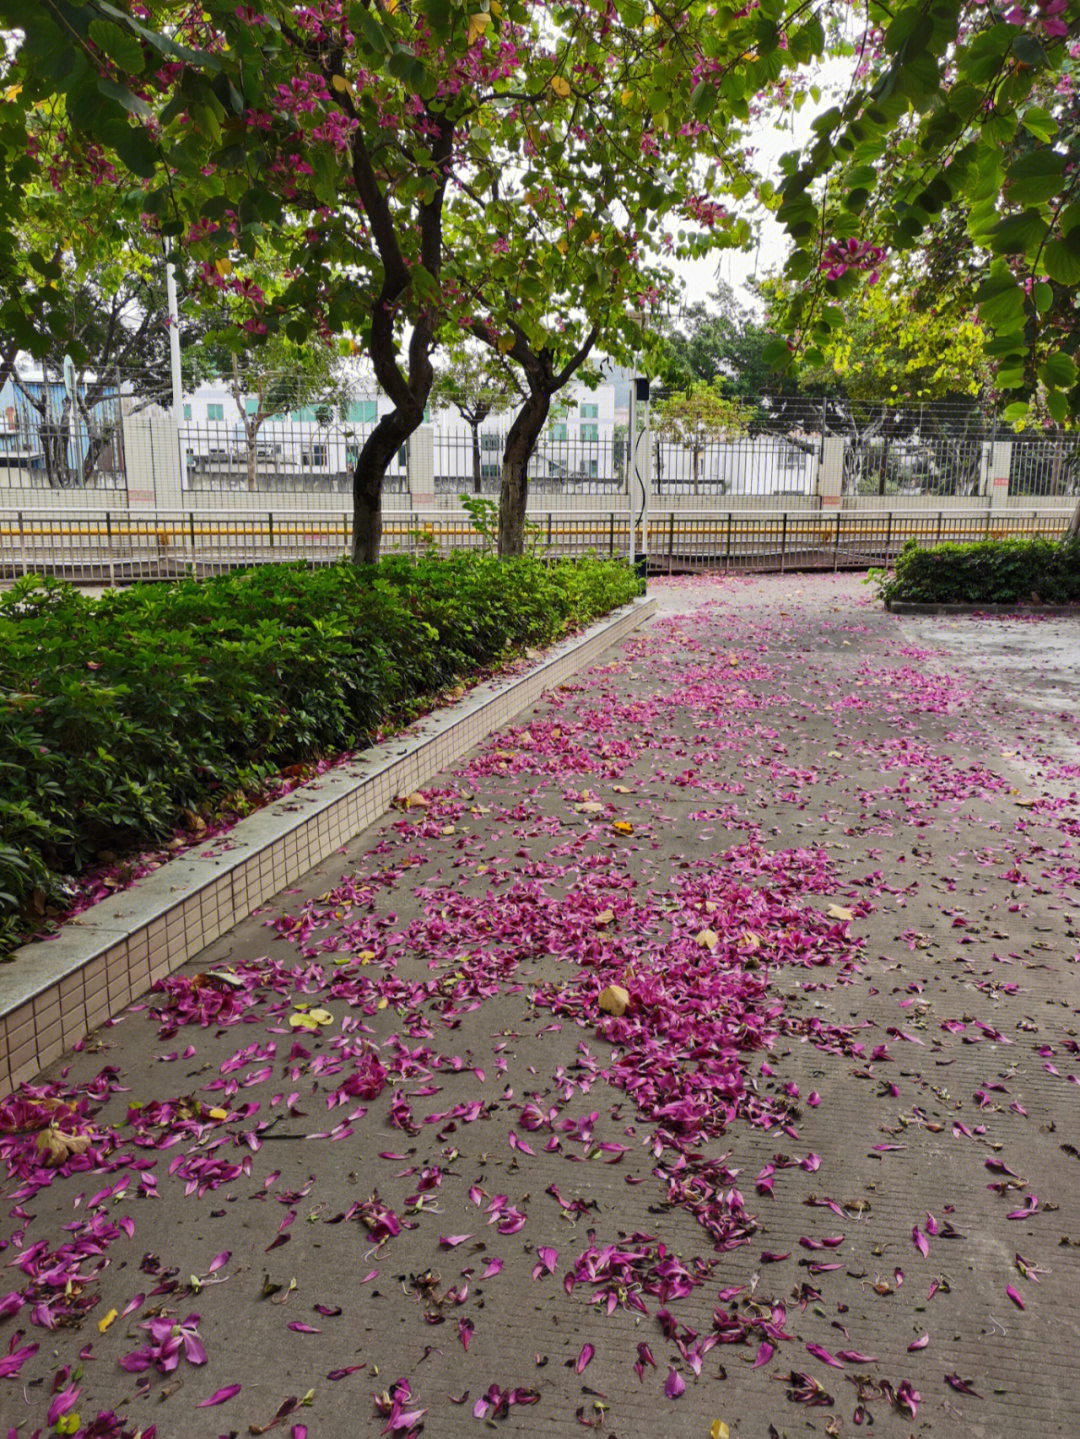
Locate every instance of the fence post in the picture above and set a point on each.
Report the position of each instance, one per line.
(830, 475)
(888, 538)
(727, 556)
(940, 524)
(611, 535)
(1000, 468)
(671, 542)
(270, 526)
(108, 529)
(836, 546)
(345, 528)
(22, 546)
(549, 530)
(783, 542)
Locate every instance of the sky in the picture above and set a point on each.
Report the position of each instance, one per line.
(738, 267)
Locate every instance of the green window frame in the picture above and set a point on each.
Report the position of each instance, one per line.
(187, 412)
(363, 412)
(590, 434)
(558, 432)
(590, 412)
(215, 412)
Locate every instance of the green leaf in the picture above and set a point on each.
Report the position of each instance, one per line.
(1040, 123)
(910, 31)
(1036, 177)
(776, 355)
(118, 45)
(138, 152)
(1058, 404)
(123, 97)
(1017, 234)
(1061, 263)
(1018, 410)
(1058, 371)
(1001, 301)
(1043, 296)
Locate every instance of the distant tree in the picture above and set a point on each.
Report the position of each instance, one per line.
(477, 386)
(697, 417)
(279, 376)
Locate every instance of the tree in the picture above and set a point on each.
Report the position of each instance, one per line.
(276, 377)
(366, 128)
(697, 417)
(104, 306)
(953, 109)
(477, 386)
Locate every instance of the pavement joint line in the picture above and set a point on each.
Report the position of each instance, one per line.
(104, 958)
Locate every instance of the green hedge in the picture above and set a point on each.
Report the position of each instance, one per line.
(118, 714)
(991, 572)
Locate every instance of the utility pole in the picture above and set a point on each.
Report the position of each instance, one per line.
(174, 342)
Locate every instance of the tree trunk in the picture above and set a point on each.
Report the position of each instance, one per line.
(252, 461)
(477, 473)
(1074, 524)
(374, 459)
(514, 489)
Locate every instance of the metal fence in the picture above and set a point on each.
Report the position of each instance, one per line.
(106, 546)
(282, 454)
(53, 437)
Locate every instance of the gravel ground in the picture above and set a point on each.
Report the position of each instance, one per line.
(822, 1173)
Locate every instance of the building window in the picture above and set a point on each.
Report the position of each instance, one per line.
(187, 412)
(251, 406)
(590, 434)
(591, 469)
(590, 412)
(558, 432)
(363, 412)
(491, 442)
(215, 412)
(316, 458)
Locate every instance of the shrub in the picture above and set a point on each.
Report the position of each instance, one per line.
(990, 572)
(117, 715)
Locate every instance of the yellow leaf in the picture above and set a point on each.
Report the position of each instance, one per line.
(593, 237)
(590, 806)
(103, 1324)
(383, 1003)
(620, 789)
(837, 911)
(223, 267)
(506, 344)
(560, 86)
(339, 82)
(626, 96)
(478, 23)
(218, 1113)
(562, 247)
(719, 1430)
(12, 92)
(604, 917)
(622, 827)
(614, 1000)
(751, 940)
(707, 939)
(366, 956)
(390, 6)
(311, 1019)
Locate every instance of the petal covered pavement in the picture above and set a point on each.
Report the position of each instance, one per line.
(697, 1057)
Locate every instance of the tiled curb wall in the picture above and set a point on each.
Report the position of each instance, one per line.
(57, 990)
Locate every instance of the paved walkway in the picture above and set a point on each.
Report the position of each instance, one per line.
(387, 1145)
